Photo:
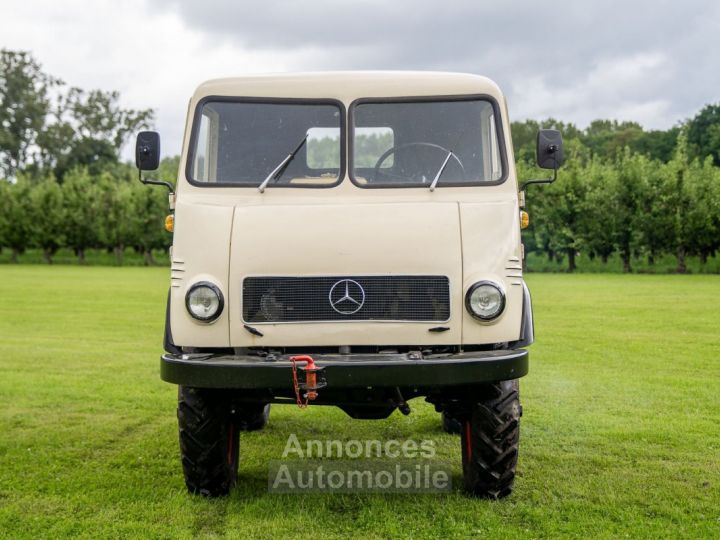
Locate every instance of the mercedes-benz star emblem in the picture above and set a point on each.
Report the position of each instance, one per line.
(347, 297)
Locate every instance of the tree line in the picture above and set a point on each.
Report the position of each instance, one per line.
(107, 210)
(623, 190)
(635, 196)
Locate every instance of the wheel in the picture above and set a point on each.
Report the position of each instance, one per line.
(490, 439)
(253, 417)
(209, 440)
(450, 424)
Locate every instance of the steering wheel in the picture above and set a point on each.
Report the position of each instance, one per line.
(394, 149)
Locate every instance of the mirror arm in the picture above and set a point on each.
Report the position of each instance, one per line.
(150, 181)
(552, 149)
(539, 180)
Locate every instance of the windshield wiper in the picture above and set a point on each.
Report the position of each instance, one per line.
(440, 171)
(281, 167)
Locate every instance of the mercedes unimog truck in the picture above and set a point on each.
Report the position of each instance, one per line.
(347, 239)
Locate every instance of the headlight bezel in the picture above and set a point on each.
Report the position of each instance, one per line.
(503, 301)
(215, 289)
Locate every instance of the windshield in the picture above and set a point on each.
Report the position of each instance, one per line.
(269, 144)
(425, 144)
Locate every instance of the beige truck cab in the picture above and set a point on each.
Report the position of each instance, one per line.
(348, 239)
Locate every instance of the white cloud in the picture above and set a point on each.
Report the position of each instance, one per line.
(624, 88)
(152, 58)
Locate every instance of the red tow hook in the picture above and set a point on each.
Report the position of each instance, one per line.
(314, 380)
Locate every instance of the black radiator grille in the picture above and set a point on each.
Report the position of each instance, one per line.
(346, 298)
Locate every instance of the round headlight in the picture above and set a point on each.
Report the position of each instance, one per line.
(204, 301)
(485, 300)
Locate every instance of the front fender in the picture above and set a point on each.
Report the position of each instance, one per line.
(527, 325)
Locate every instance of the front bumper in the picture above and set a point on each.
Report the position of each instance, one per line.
(346, 371)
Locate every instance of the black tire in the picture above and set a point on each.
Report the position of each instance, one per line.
(209, 441)
(450, 424)
(253, 417)
(490, 439)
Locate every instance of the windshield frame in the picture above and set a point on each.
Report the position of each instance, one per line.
(196, 117)
(499, 131)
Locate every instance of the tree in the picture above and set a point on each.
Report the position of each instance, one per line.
(656, 144)
(631, 170)
(4, 218)
(89, 130)
(561, 213)
(608, 138)
(703, 216)
(83, 204)
(703, 134)
(46, 127)
(117, 222)
(678, 201)
(47, 217)
(99, 116)
(600, 223)
(656, 217)
(149, 207)
(16, 212)
(24, 106)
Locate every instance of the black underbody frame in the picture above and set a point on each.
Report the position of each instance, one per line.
(363, 385)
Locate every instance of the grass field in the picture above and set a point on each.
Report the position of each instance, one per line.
(620, 436)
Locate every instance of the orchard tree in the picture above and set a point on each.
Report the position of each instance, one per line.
(679, 203)
(631, 170)
(4, 219)
(48, 217)
(656, 215)
(703, 217)
(561, 212)
(600, 221)
(117, 226)
(16, 220)
(83, 204)
(149, 210)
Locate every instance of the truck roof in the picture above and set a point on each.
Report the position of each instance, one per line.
(349, 85)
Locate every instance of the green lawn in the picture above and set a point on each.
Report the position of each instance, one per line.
(620, 436)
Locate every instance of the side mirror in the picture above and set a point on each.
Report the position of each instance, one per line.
(549, 149)
(549, 156)
(147, 150)
(147, 158)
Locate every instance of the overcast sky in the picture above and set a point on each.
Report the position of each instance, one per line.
(656, 62)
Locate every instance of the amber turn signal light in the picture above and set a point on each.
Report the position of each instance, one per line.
(170, 223)
(524, 219)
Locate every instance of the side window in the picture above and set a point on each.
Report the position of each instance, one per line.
(370, 143)
(492, 168)
(495, 166)
(205, 163)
